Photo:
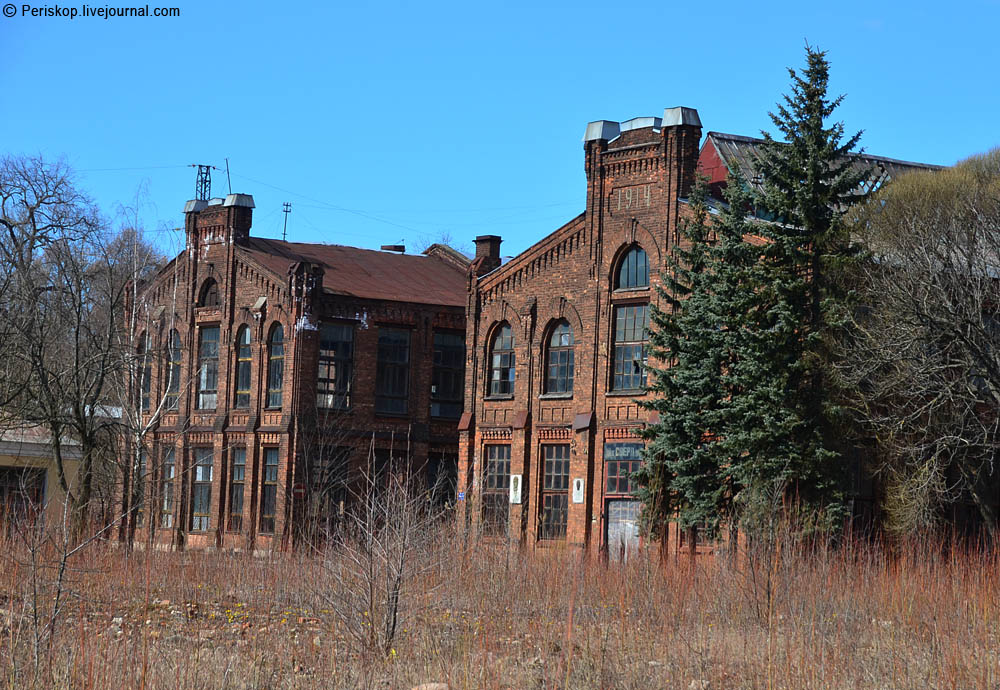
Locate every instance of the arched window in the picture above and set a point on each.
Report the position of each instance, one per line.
(560, 360)
(173, 369)
(243, 363)
(502, 359)
(209, 296)
(145, 370)
(633, 271)
(275, 365)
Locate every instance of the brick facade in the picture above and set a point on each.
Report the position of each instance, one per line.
(263, 284)
(637, 174)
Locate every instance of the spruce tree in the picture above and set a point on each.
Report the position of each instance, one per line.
(709, 293)
(809, 180)
(748, 413)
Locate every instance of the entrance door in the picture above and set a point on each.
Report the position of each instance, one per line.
(623, 528)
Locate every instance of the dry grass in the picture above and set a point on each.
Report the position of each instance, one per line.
(487, 617)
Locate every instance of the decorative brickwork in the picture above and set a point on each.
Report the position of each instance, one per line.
(264, 284)
(637, 175)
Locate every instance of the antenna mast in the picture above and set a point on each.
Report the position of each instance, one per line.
(203, 185)
(286, 208)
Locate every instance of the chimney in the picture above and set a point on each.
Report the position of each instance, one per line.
(487, 253)
(682, 130)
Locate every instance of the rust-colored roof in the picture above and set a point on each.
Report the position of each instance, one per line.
(366, 273)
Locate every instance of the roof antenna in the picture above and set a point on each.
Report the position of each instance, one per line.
(203, 185)
(228, 181)
(286, 208)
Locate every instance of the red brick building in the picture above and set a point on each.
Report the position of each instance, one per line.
(283, 368)
(557, 341)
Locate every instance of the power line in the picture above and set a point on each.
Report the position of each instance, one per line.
(144, 167)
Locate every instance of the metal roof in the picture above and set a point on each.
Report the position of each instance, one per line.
(741, 152)
(366, 273)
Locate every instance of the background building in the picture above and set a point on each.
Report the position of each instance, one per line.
(280, 369)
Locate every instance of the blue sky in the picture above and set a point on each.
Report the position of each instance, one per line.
(414, 121)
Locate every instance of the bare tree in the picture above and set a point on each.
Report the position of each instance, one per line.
(924, 353)
(65, 279)
(390, 535)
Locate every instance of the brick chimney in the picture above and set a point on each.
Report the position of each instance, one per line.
(682, 131)
(487, 253)
(218, 221)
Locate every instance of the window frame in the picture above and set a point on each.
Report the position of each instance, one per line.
(208, 369)
(553, 505)
(175, 354)
(145, 371)
(390, 372)
(209, 296)
(564, 383)
(275, 367)
(168, 478)
(269, 489)
(443, 403)
(243, 371)
(631, 269)
(619, 462)
(201, 488)
(236, 508)
(501, 379)
(621, 380)
(495, 492)
(334, 393)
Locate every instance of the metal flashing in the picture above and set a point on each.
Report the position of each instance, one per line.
(601, 129)
(244, 200)
(674, 117)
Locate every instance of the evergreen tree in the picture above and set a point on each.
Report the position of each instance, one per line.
(708, 292)
(809, 180)
(747, 406)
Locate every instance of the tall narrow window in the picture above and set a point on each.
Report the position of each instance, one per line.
(448, 378)
(336, 360)
(555, 493)
(208, 367)
(173, 370)
(209, 296)
(392, 371)
(243, 364)
(269, 491)
(633, 272)
(275, 366)
(502, 362)
(630, 346)
(496, 489)
(139, 490)
(560, 360)
(201, 490)
(145, 370)
(237, 477)
(167, 474)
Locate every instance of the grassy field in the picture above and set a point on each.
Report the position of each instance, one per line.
(482, 616)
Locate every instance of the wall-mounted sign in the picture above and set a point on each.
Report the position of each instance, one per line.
(578, 490)
(515, 488)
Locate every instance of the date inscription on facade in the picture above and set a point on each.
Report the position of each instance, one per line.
(631, 198)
